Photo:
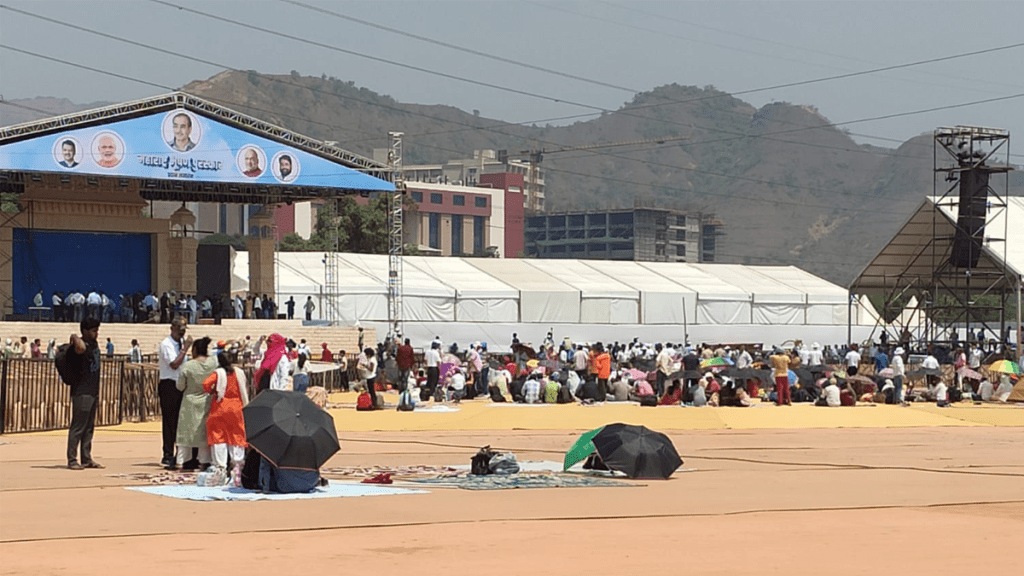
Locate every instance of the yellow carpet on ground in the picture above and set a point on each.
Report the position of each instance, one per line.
(485, 415)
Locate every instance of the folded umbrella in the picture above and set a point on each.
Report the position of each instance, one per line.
(289, 430)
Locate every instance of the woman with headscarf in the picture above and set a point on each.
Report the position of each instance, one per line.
(274, 368)
(195, 405)
(225, 427)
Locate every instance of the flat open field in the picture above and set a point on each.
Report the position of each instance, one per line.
(796, 491)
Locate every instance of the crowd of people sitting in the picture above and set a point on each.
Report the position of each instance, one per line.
(682, 374)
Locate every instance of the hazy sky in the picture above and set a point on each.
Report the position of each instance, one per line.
(635, 46)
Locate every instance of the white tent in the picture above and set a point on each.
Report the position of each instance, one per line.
(468, 299)
(825, 302)
(479, 297)
(603, 300)
(662, 301)
(718, 302)
(542, 298)
(424, 299)
(772, 302)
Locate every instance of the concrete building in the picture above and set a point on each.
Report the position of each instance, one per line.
(639, 234)
(470, 172)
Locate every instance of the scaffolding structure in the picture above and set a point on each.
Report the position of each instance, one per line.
(331, 312)
(971, 168)
(396, 239)
(947, 274)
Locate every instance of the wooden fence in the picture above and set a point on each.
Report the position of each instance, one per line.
(33, 398)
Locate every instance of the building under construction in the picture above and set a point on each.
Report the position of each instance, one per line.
(640, 234)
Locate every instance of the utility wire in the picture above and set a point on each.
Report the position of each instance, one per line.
(635, 184)
(599, 109)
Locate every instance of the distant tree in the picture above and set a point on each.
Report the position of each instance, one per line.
(236, 241)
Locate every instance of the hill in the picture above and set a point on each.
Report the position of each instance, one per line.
(789, 188)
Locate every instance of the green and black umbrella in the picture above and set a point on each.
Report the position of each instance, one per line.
(289, 430)
(634, 450)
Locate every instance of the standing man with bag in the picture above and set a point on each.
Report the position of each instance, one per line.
(172, 353)
(83, 363)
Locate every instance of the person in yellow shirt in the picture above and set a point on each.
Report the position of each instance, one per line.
(780, 370)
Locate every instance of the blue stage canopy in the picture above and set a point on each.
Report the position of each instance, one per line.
(181, 145)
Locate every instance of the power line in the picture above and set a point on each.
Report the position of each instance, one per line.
(675, 167)
(583, 105)
(505, 133)
(464, 49)
(635, 8)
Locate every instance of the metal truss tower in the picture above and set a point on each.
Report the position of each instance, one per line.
(971, 168)
(331, 289)
(396, 240)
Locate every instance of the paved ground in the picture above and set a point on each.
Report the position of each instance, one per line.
(922, 496)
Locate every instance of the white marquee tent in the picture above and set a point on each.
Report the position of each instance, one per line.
(478, 298)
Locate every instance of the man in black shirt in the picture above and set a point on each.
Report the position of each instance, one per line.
(83, 356)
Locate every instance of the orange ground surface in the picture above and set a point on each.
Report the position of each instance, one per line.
(781, 499)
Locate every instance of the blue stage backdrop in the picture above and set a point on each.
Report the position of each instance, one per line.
(51, 260)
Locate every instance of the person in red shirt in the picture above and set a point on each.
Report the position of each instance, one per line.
(326, 355)
(406, 359)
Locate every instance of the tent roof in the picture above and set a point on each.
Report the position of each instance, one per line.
(415, 282)
(635, 276)
(590, 282)
(516, 272)
(467, 280)
(763, 288)
(911, 254)
(707, 285)
(817, 289)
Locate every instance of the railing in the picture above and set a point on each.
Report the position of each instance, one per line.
(33, 398)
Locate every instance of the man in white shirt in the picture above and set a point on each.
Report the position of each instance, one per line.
(37, 300)
(852, 360)
(58, 307)
(831, 394)
(814, 357)
(94, 303)
(744, 360)
(171, 355)
(432, 358)
(974, 358)
(663, 364)
(941, 394)
(457, 386)
(899, 370)
(985, 390)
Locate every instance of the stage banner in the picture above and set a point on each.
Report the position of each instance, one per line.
(180, 145)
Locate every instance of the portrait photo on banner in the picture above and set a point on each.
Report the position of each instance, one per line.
(108, 149)
(181, 130)
(67, 152)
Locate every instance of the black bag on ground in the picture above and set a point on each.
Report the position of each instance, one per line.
(480, 464)
(649, 400)
(424, 394)
(594, 462)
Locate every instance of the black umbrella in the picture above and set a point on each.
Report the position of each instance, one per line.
(765, 376)
(637, 451)
(289, 430)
